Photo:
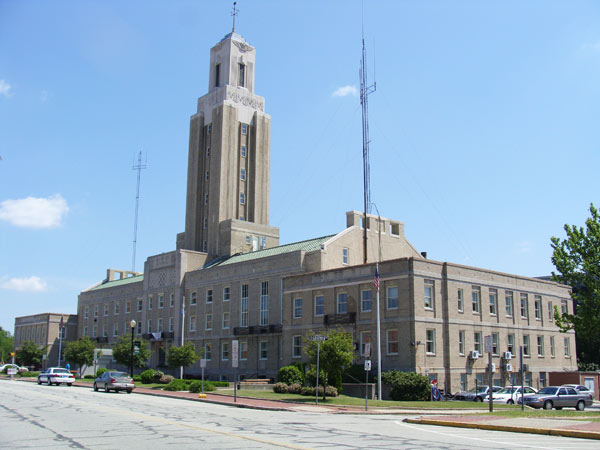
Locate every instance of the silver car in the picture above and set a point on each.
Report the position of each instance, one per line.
(558, 397)
(116, 381)
(475, 395)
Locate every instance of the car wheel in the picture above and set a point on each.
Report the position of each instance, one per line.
(39, 381)
(106, 389)
(548, 404)
(510, 402)
(478, 399)
(95, 387)
(580, 405)
(129, 391)
(49, 382)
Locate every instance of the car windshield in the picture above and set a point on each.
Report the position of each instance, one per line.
(507, 390)
(548, 391)
(481, 389)
(117, 374)
(61, 371)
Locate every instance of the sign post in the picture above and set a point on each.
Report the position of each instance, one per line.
(234, 364)
(202, 366)
(319, 338)
(367, 369)
(488, 347)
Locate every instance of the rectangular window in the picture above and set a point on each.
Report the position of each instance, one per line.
(225, 320)
(392, 342)
(567, 342)
(540, 345)
(242, 75)
(495, 340)
(95, 311)
(208, 323)
(193, 298)
(461, 342)
(524, 306)
(127, 307)
(365, 338)
(244, 128)
(263, 348)
(550, 311)
(192, 323)
(206, 175)
(461, 300)
(342, 303)
(208, 351)
(86, 311)
(205, 223)
(242, 198)
(161, 301)
(477, 341)
(296, 346)
(217, 75)
(264, 303)
(209, 296)
(319, 305)
(172, 300)
(430, 341)
(542, 380)
(243, 151)
(345, 255)
(463, 381)
(243, 174)
(476, 298)
(149, 302)
(526, 345)
(116, 309)
(139, 328)
(224, 351)
(493, 302)
(140, 305)
(428, 293)
(85, 331)
(115, 329)
(95, 331)
(226, 294)
(552, 349)
(243, 350)
(149, 326)
(392, 297)
(206, 199)
(508, 297)
(510, 343)
(244, 306)
(159, 327)
(106, 309)
(297, 308)
(170, 324)
(366, 300)
(537, 306)
(564, 307)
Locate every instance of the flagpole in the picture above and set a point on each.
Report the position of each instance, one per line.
(378, 336)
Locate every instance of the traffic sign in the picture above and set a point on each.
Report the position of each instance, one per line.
(368, 350)
(234, 353)
(487, 344)
(318, 337)
(368, 365)
(203, 363)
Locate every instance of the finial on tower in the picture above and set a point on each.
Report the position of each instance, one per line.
(234, 13)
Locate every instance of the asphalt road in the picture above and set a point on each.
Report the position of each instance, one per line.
(63, 417)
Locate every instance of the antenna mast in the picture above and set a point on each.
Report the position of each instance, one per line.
(365, 90)
(234, 13)
(139, 168)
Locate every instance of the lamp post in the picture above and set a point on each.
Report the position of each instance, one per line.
(132, 325)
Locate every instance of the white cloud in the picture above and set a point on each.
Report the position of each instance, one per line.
(5, 88)
(34, 212)
(525, 247)
(344, 91)
(31, 284)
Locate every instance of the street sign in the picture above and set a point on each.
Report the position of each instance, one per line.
(368, 365)
(318, 337)
(367, 350)
(203, 363)
(234, 353)
(487, 344)
(11, 371)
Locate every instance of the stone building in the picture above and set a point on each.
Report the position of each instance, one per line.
(229, 279)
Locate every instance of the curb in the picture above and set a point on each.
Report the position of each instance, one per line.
(483, 426)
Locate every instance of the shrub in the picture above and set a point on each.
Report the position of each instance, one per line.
(295, 388)
(89, 377)
(147, 376)
(280, 388)
(100, 371)
(209, 386)
(407, 386)
(290, 375)
(219, 383)
(137, 378)
(196, 386)
(157, 375)
(331, 391)
(177, 385)
(165, 379)
(311, 377)
(307, 390)
(29, 374)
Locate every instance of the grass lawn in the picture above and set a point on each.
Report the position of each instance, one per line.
(515, 412)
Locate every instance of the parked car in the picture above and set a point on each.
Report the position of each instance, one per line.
(510, 395)
(581, 389)
(56, 375)
(475, 395)
(4, 367)
(558, 397)
(116, 381)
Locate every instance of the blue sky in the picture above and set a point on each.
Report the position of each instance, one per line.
(484, 127)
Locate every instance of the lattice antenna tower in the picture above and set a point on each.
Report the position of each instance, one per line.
(139, 168)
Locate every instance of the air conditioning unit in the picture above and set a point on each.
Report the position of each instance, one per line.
(525, 367)
(507, 355)
(474, 354)
(493, 367)
(508, 368)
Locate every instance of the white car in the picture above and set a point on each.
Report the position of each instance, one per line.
(581, 389)
(3, 367)
(56, 375)
(475, 395)
(510, 394)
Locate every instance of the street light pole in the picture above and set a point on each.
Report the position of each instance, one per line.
(132, 325)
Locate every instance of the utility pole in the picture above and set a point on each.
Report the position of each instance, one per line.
(139, 168)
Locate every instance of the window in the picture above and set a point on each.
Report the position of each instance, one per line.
(161, 301)
(206, 175)
(428, 294)
(172, 300)
(106, 309)
(550, 311)
(170, 324)
(345, 255)
(263, 347)
(192, 323)
(159, 326)
(477, 341)
(296, 346)
(395, 229)
(225, 320)
(204, 246)
(244, 306)
(510, 343)
(524, 306)
(207, 152)
(139, 328)
(86, 311)
(140, 305)
(95, 311)
(264, 303)
(243, 174)
(461, 342)
(540, 345)
(463, 381)
(95, 331)
(208, 323)
(495, 339)
(243, 151)
(205, 223)
(217, 75)
(461, 302)
(242, 198)
(366, 300)
(476, 298)
(537, 305)
(208, 351)
(149, 302)
(115, 329)
(365, 338)
(319, 305)
(430, 341)
(244, 128)
(392, 342)
(209, 296)
(116, 309)
(552, 350)
(85, 331)
(567, 342)
(242, 75)
(224, 351)
(193, 298)
(297, 308)
(493, 302)
(564, 307)
(392, 297)
(526, 345)
(149, 326)
(248, 240)
(342, 303)
(243, 350)
(226, 294)
(263, 242)
(543, 379)
(206, 199)
(509, 303)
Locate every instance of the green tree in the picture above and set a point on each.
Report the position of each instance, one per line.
(29, 354)
(6, 345)
(335, 355)
(80, 352)
(122, 352)
(182, 356)
(577, 261)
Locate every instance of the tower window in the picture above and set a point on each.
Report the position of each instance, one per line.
(242, 75)
(243, 151)
(244, 128)
(206, 175)
(208, 152)
(206, 199)
(217, 74)
(242, 198)
(243, 174)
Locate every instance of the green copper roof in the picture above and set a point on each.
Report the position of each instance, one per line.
(307, 246)
(121, 282)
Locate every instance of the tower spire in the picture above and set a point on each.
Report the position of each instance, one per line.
(234, 13)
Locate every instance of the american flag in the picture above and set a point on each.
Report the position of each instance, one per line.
(376, 278)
